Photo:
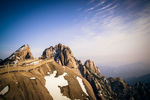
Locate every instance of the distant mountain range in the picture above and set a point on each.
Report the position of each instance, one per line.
(143, 79)
(126, 71)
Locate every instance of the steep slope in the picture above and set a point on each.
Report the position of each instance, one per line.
(104, 88)
(47, 82)
(99, 83)
(63, 77)
(21, 54)
(89, 64)
(113, 88)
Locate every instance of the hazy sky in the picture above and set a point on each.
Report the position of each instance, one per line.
(110, 32)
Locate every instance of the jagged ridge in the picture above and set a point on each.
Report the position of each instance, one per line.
(104, 88)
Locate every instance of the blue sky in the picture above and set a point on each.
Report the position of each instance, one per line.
(111, 32)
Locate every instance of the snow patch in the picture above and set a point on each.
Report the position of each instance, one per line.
(52, 84)
(32, 78)
(16, 61)
(4, 91)
(48, 73)
(81, 84)
(18, 57)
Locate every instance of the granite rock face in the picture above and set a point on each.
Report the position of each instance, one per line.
(65, 62)
(49, 52)
(21, 54)
(112, 88)
(99, 83)
(89, 64)
(61, 54)
(104, 88)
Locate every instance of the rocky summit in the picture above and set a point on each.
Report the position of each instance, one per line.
(89, 64)
(21, 54)
(62, 55)
(58, 75)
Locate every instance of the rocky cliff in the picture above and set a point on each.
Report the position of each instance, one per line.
(99, 83)
(62, 55)
(59, 79)
(89, 64)
(104, 88)
(21, 54)
(112, 88)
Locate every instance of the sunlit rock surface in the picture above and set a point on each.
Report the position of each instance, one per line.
(23, 53)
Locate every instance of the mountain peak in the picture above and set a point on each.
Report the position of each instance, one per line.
(62, 54)
(20, 54)
(92, 66)
(25, 46)
(104, 88)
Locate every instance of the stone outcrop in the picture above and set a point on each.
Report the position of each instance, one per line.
(61, 54)
(112, 88)
(21, 54)
(99, 83)
(49, 52)
(89, 64)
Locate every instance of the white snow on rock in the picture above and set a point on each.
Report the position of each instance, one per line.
(48, 73)
(16, 61)
(4, 91)
(52, 84)
(32, 78)
(18, 57)
(81, 84)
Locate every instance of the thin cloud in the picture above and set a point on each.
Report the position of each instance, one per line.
(112, 41)
(99, 4)
(110, 6)
(91, 1)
